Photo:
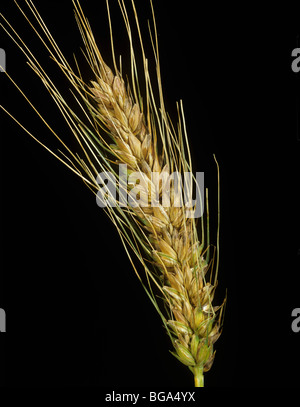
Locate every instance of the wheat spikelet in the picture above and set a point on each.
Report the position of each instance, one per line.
(161, 235)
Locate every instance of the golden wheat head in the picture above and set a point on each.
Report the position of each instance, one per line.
(122, 126)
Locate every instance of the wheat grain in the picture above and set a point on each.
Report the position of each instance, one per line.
(175, 252)
(160, 235)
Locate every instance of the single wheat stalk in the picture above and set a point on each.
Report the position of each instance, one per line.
(177, 261)
(170, 236)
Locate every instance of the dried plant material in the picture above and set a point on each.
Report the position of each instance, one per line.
(116, 130)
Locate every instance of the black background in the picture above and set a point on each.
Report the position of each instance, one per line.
(76, 313)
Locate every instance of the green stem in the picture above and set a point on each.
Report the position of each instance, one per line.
(198, 376)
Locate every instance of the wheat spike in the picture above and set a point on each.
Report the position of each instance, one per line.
(141, 135)
(174, 249)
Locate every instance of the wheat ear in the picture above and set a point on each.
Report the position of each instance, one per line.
(178, 263)
(171, 238)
